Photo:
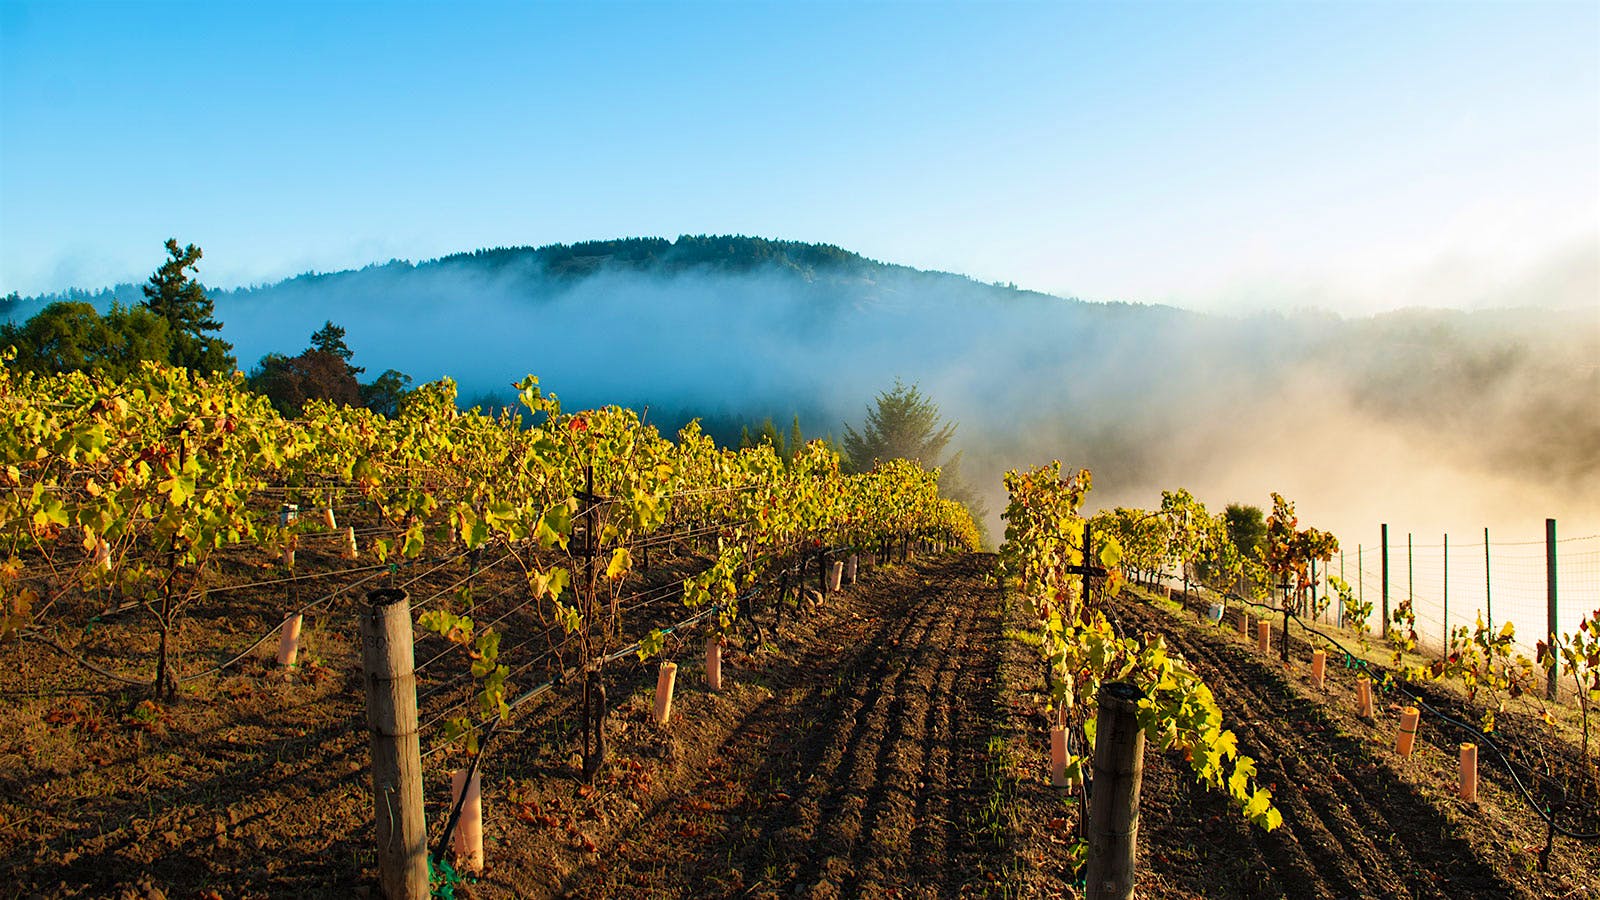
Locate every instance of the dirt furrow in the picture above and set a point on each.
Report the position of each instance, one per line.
(906, 778)
(848, 779)
(1351, 826)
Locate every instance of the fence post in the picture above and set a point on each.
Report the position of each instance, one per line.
(1411, 579)
(1488, 599)
(1445, 653)
(387, 657)
(1383, 627)
(1550, 586)
(1114, 804)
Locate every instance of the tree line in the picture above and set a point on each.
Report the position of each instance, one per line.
(176, 324)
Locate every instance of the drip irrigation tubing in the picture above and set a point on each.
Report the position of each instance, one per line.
(1544, 814)
(77, 658)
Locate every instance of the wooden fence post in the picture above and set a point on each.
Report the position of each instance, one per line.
(1114, 803)
(387, 655)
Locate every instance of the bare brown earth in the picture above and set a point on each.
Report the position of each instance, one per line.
(1359, 819)
(889, 742)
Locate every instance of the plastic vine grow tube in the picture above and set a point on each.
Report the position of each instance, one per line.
(1406, 738)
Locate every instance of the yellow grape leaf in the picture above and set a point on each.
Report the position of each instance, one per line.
(549, 584)
(621, 562)
(413, 544)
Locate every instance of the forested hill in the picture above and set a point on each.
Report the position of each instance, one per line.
(1448, 412)
(726, 253)
(541, 271)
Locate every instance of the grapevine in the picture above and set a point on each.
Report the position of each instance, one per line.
(130, 488)
(1082, 650)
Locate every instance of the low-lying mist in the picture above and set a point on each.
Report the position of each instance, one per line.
(1430, 420)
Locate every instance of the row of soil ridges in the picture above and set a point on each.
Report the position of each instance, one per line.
(838, 761)
(1359, 819)
(890, 741)
(255, 782)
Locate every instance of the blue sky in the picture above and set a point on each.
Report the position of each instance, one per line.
(1353, 156)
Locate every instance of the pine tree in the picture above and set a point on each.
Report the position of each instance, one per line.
(769, 435)
(904, 424)
(173, 295)
(330, 339)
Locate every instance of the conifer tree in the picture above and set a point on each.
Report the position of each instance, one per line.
(180, 299)
(903, 424)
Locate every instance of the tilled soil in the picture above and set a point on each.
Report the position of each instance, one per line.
(838, 761)
(1351, 826)
(1359, 819)
(888, 742)
(855, 777)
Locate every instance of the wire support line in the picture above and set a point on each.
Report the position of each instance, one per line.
(653, 595)
(479, 627)
(705, 492)
(662, 537)
(461, 681)
(218, 669)
(561, 677)
(228, 588)
(434, 597)
(446, 560)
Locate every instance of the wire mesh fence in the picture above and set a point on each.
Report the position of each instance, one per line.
(1454, 580)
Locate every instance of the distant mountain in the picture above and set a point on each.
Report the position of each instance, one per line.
(1470, 416)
